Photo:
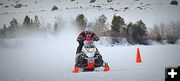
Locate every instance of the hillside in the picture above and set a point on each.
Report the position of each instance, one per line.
(150, 11)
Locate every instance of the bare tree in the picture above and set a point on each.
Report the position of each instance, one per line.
(172, 33)
(100, 25)
(155, 33)
(162, 28)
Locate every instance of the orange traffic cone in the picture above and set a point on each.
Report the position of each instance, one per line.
(138, 56)
(76, 70)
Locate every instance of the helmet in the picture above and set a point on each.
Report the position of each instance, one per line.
(88, 29)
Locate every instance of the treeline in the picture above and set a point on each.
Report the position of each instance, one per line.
(135, 33)
(117, 29)
(169, 32)
(28, 27)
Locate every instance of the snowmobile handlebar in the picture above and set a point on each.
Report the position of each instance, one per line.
(92, 58)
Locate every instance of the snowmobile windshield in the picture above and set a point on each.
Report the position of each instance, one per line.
(88, 44)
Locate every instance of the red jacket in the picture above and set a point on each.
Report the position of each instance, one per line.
(82, 36)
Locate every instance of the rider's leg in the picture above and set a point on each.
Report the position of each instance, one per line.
(79, 48)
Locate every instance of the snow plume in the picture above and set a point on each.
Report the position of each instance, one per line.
(32, 55)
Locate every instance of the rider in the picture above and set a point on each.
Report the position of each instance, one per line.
(87, 33)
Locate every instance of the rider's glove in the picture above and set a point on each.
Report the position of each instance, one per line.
(95, 39)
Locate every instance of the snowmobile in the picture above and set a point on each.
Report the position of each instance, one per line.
(89, 58)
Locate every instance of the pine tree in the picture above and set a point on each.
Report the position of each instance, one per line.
(5, 27)
(36, 22)
(136, 33)
(56, 27)
(117, 24)
(31, 23)
(27, 21)
(130, 32)
(141, 31)
(3, 32)
(13, 28)
(81, 21)
(14, 23)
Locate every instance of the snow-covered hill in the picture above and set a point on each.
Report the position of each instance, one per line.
(150, 11)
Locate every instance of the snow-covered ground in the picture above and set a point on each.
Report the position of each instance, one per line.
(52, 59)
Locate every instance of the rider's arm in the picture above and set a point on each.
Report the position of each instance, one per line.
(81, 36)
(95, 37)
